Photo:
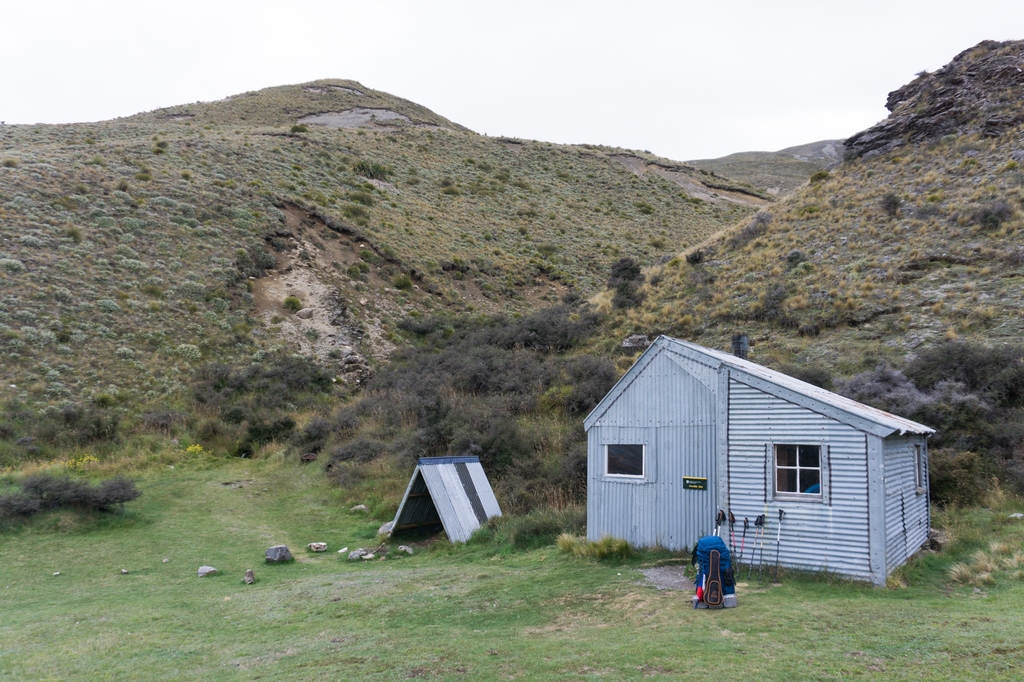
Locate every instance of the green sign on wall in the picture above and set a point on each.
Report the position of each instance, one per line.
(694, 483)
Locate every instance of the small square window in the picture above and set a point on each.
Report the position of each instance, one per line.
(798, 469)
(625, 460)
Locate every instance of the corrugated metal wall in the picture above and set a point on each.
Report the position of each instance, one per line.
(906, 511)
(833, 535)
(672, 411)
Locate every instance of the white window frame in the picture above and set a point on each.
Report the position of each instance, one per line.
(818, 497)
(629, 477)
(920, 469)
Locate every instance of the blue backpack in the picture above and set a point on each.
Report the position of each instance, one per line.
(706, 576)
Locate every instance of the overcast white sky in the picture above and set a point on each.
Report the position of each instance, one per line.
(686, 80)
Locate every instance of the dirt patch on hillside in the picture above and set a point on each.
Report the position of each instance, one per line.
(691, 185)
(341, 318)
(356, 118)
(323, 90)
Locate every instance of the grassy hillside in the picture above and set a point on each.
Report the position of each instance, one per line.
(487, 610)
(136, 249)
(911, 256)
(781, 172)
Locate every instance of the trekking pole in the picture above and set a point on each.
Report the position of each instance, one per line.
(743, 540)
(732, 532)
(760, 556)
(778, 541)
(719, 520)
(758, 527)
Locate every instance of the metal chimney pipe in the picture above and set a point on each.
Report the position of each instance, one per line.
(740, 345)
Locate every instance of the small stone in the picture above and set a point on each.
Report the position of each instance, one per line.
(363, 301)
(1017, 155)
(342, 550)
(207, 570)
(404, 548)
(279, 554)
(360, 507)
(166, 561)
(124, 571)
(317, 546)
(937, 539)
(368, 556)
(386, 528)
(250, 577)
(308, 457)
(1018, 515)
(57, 573)
(305, 313)
(356, 554)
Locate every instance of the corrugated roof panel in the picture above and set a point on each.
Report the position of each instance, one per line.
(455, 500)
(871, 414)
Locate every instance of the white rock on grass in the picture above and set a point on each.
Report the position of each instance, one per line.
(317, 546)
(360, 507)
(207, 570)
(404, 548)
(356, 554)
(368, 556)
(342, 550)
(386, 528)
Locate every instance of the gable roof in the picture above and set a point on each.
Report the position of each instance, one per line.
(451, 491)
(815, 398)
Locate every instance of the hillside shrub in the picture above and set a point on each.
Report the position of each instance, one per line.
(466, 386)
(754, 229)
(958, 477)
(292, 304)
(46, 491)
(890, 203)
(626, 279)
(372, 170)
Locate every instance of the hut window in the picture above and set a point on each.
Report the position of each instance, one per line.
(625, 460)
(919, 468)
(798, 469)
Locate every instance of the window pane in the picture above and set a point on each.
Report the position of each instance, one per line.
(810, 481)
(785, 480)
(810, 456)
(626, 460)
(785, 455)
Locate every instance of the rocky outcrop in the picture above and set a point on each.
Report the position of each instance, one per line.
(980, 91)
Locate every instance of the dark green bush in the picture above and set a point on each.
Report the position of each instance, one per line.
(958, 477)
(372, 170)
(44, 491)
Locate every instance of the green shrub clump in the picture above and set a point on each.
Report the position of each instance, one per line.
(605, 548)
(292, 304)
(44, 491)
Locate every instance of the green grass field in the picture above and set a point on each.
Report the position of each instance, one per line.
(471, 612)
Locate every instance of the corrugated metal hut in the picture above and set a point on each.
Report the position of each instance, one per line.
(689, 430)
(451, 492)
